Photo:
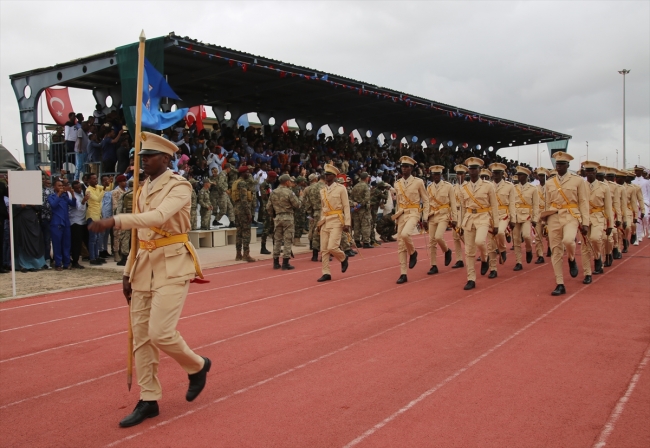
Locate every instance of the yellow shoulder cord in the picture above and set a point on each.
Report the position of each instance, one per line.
(332, 211)
(409, 203)
(526, 204)
(568, 204)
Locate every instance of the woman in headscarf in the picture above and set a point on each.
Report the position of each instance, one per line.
(28, 240)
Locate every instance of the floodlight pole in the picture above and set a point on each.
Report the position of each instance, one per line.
(624, 72)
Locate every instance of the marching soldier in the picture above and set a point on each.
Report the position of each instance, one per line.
(282, 204)
(526, 215)
(155, 284)
(460, 171)
(632, 207)
(242, 198)
(619, 203)
(486, 174)
(600, 222)
(311, 203)
(442, 213)
(412, 203)
(567, 209)
(335, 220)
(360, 201)
(265, 192)
(206, 206)
(625, 214)
(479, 215)
(223, 194)
(505, 192)
(540, 228)
(639, 211)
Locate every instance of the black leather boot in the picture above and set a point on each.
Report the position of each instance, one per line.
(314, 255)
(264, 250)
(276, 263)
(286, 266)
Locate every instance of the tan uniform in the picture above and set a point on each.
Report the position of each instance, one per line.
(601, 217)
(569, 214)
(619, 204)
(539, 229)
(335, 213)
(458, 250)
(632, 209)
(640, 208)
(412, 199)
(160, 278)
(442, 210)
(479, 213)
(505, 192)
(526, 212)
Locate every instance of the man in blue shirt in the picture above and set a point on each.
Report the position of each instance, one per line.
(59, 202)
(109, 150)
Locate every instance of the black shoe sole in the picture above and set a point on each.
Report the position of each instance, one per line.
(141, 421)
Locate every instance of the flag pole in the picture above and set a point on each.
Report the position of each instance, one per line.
(136, 186)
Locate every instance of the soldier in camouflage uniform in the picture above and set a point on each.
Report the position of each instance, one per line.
(242, 198)
(299, 216)
(265, 192)
(252, 187)
(125, 205)
(224, 203)
(193, 214)
(206, 205)
(214, 193)
(386, 228)
(282, 204)
(312, 205)
(346, 244)
(378, 197)
(361, 216)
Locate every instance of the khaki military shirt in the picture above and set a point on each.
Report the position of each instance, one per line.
(334, 198)
(575, 190)
(616, 200)
(480, 208)
(632, 200)
(526, 203)
(600, 204)
(541, 195)
(164, 204)
(442, 200)
(412, 197)
(505, 192)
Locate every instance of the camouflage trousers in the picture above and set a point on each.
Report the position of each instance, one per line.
(116, 243)
(193, 218)
(299, 223)
(225, 208)
(313, 235)
(125, 243)
(243, 223)
(269, 227)
(283, 236)
(386, 227)
(361, 225)
(205, 218)
(373, 223)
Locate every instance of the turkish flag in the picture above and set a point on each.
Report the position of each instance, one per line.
(58, 102)
(196, 113)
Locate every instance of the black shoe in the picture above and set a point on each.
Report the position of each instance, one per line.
(459, 264)
(448, 257)
(503, 257)
(518, 267)
(529, 257)
(548, 252)
(264, 250)
(626, 244)
(197, 381)
(559, 290)
(633, 238)
(413, 259)
(122, 262)
(485, 265)
(286, 266)
(231, 225)
(401, 279)
(96, 262)
(101, 260)
(493, 274)
(216, 223)
(573, 268)
(344, 265)
(508, 238)
(325, 278)
(349, 253)
(616, 254)
(276, 263)
(353, 252)
(598, 267)
(433, 270)
(143, 410)
(471, 284)
(314, 255)
(540, 260)
(78, 266)
(367, 246)
(587, 280)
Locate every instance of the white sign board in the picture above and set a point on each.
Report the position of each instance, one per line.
(25, 187)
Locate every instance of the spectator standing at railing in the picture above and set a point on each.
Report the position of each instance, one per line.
(109, 150)
(94, 149)
(95, 195)
(46, 217)
(77, 215)
(81, 149)
(59, 202)
(70, 136)
(107, 212)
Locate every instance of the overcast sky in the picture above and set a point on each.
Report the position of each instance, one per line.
(549, 64)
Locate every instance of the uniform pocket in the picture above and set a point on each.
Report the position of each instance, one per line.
(178, 261)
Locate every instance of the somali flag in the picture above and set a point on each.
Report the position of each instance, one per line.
(155, 88)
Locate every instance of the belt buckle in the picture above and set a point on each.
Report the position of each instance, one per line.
(149, 245)
(473, 211)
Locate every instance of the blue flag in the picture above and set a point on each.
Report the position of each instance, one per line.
(155, 88)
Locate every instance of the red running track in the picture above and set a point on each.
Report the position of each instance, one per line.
(359, 361)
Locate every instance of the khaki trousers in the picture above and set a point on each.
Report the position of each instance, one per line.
(595, 237)
(522, 229)
(330, 240)
(539, 239)
(501, 236)
(562, 230)
(406, 224)
(154, 315)
(436, 237)
(458, 249)
(475, 238)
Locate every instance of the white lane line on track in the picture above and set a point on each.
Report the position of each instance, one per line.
(312, 361)
(471, 364)
(62, 318)
(620, 405)
(195, 292)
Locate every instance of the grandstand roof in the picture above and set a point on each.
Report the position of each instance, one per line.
(241, 82)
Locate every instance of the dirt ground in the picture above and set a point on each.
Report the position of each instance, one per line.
(50, 280)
